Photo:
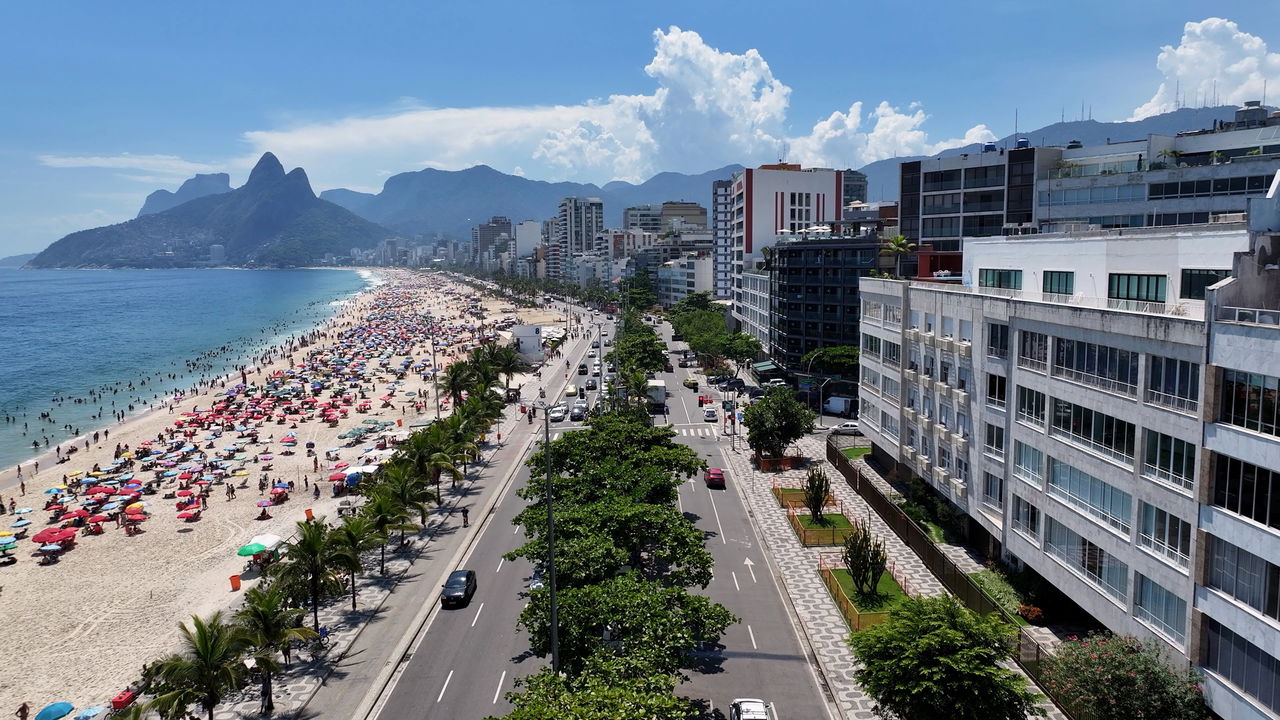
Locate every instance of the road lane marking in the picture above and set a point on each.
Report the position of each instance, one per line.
(735, 581)
(500, 561)
(680, 498)
(477, 617)
(498, 692)
(450, 677)
(716, 512)
(749, 632)
(750, 569)
(516, 531)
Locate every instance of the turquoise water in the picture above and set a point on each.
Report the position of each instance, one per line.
(64, 333)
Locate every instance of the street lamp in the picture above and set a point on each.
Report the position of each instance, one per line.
(809, 371)
(551, 538)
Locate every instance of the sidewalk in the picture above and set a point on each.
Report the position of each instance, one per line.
(823, 624)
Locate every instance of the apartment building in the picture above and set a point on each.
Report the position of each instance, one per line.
(722, 230)
(661, 218)
(677, 279)
(1058, 396)
(578, 222)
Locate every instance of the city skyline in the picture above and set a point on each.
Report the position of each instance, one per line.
(658, 89)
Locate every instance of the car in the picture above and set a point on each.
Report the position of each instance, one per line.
(683, 363)
(577, 413)
(750, 709)
(690, 383)
(611, 377)
(582, 369)
(595, 343)
(595, 371)
(458, 589)
(734, 384)
(592, 384)
(571, 390)
(612, 367)
(718, 379)
(713, 477)
(849, 427)
(608, 342)
(557, 413)
(669, 368)
(591, 353)
(709, 415)
(776, 382)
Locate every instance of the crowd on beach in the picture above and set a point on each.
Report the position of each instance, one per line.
(142, 519)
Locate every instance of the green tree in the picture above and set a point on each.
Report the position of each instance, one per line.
(597, 696)
(741, 348)
(864, 557)
(385, 514)
(816, 489)
(408, 489)
(307, 565)
(351, 539)
(206, 669)
(837, 360)
(456, 379)
(897, 247)
(507, 364)
(1121, 676)
(270, 625)
(934, 653)
(433, 452)
(775, 421)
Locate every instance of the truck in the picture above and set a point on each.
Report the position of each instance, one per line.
(657, 396)
(839, 406)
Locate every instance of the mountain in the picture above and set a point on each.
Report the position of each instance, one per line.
(198, 186)
(272, 220)
(16, 260)
(452, 202)
(882, 175)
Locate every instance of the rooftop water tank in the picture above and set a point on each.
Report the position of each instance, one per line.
(1022, 143)
(1252, 112)
(988, 147)
(1074, 145)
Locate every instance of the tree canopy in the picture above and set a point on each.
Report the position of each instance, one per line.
(775, 421)
(1120, 676)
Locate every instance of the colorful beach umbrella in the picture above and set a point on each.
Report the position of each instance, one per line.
(251, 549)
(264, 503)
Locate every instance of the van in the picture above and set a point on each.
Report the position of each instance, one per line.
(571, 391)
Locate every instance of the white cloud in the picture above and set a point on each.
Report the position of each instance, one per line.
(168, 165)
(841, 141)
(1214, 58)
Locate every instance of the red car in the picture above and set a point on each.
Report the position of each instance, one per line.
(713, 477)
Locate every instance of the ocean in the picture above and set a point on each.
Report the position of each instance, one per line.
(64, 333)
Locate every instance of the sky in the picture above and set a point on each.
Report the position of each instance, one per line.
(103, 103)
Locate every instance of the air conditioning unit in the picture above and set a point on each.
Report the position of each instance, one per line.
(942, 388)
(912, 334)
(910, 375)
(941, 475)
(946, 344)
(959, 488)
(960, 396)
(928, 337)
(908, 454)
(960, 441)
(926, 423)
(912, 415)
(964, 348)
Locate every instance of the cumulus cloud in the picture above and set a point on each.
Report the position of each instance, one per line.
(167, 165)
(1214, 57)
(841, 140)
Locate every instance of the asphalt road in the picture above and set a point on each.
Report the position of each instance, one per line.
(466, 659)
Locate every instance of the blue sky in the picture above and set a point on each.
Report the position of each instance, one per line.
(102, 103)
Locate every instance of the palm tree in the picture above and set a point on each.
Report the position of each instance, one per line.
(455, 380)
(384, 514)
(402, 483)
(432, 453)
(208, 667)
(507, 363)
(270, 625)
(355, 535)
(306, 565)
(897, 246)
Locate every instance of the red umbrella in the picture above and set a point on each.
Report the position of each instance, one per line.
(184, 493)
(188, 514)
(46, 535)
(278, 491)
(56, 508)
(102, 490)
(97, 518)
(65, 535)
(337, 476)
(73, 515)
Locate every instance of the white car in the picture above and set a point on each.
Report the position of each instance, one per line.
(849, 427)
(750, 709)
(558, 412)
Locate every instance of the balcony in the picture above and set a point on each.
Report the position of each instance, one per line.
(1192, 310)
(1098, 381)
(1172, 402)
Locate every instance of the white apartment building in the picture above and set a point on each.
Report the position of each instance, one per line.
(579, 221)
(1061, 400)
(722, 230)
(767, 202)
(676, 279)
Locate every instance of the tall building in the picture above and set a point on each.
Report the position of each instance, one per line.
(578, 222)
(722, 228)
(677, 279)
(527, 236)
(855, 186)
(768, 201)
(486, 238)
(659, 219)
(1100, 408)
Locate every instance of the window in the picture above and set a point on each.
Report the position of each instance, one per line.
(1086, 492)
(893, 315)
(1174, 384)
(1249, 401)
(1028, 463)
(1009, 279)
(892, 389)
(871, 379)
(995, 441)
(997, 340)
(872, 310)
(1033, 350)
(1246, 489)
(1031, 404)
(940, 227)
(940, 204)
(992, 490)
(1166, 535)
(1147, 288)
(1242, 663)
(1244, 576)
(1059, 281)
(997, 390)
(892, 353)
(1159, 608)
(1195, 281)
(870, 345)
(1097, 431)
(1087, 560)
(1025, 517)
(988, 176)
(1170, 460)
(1101, 366)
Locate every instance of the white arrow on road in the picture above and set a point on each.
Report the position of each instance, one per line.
(748, 563)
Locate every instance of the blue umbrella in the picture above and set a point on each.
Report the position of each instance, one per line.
(22, 510)
(110, 506)
(21, 523)
(89, 712)
(55, 711)
(8, 541)
(53, 548)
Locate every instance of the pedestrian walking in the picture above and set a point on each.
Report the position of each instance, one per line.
(466, 517)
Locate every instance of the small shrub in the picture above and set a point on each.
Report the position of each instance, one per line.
(997, 587)
(1031, 614)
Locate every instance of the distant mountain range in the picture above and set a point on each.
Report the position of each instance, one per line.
(196, 187)
(452, 202)
(16, 260)
(273, 220)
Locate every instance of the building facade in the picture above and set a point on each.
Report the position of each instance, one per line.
(662, 218)
(579, 220)
(722, 229)
(676, 279)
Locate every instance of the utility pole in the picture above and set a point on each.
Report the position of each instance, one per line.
(435, 377)
(551, 542)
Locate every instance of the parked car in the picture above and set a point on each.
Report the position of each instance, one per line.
(717, 379)
(713, 477)
(734, 384)
(690, 383)
(458, 589)
(776, 382)
(750, 709)
(755, 392)
(710, 415)
(849, 427)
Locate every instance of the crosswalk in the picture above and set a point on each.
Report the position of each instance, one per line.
(707, 431)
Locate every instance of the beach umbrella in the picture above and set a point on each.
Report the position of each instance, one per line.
(279, 491)
(264, 503)
(21, 523)
(89, 712)
(184, 493)
(45, 535)
(337, 476)
(97, 518)
(22, 510)
(109, 506)
(281, 485)
(53, 491)
(77, 473)
(251, 549)
(188, 514)
(7, 541)
(102, 490)
(53, 548)
(136, 506)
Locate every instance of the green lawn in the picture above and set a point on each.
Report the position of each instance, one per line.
(834, 520)
(887, 594)
(935, 532)
(853, 453)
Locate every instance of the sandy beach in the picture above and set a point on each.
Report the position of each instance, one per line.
(81, 629)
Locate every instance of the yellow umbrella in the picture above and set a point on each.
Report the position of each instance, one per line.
(6, 533)
(77, 473)
(126, 455)
(240, 473)
(97, 473)
(138, 505)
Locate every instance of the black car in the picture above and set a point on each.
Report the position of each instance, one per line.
(582, 369)
(459, 588)
(579, 412)
(755, 392)
(592, 384)
(734, 384)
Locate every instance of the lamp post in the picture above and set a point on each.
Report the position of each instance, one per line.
(809, 371)
(435, 377)
(551, 539)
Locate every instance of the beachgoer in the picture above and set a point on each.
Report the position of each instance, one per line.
(22, 487)
(316, 491)
(23, 711)
(466, 517)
